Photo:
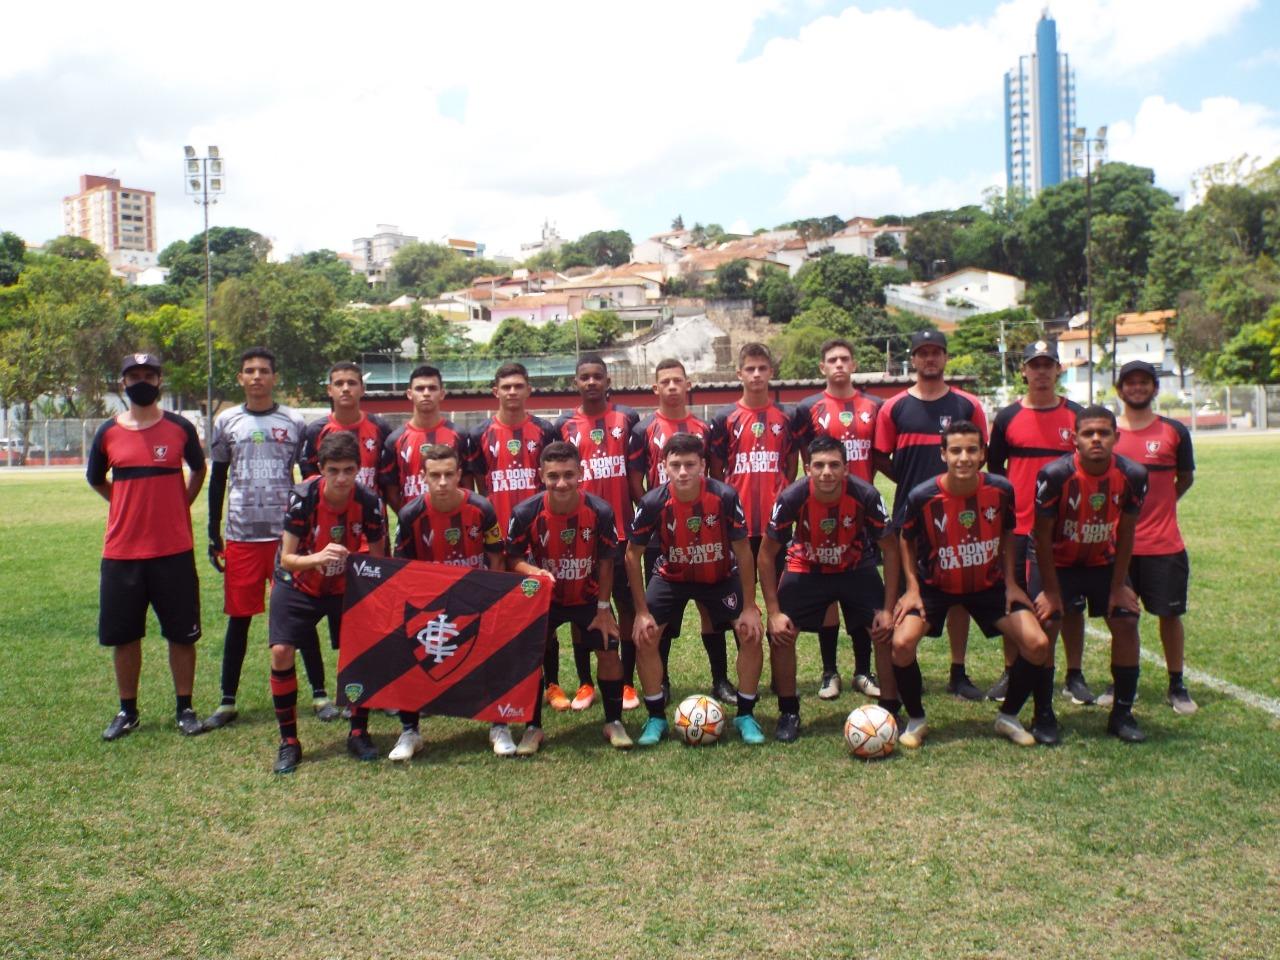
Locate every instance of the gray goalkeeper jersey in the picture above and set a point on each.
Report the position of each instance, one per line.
(262, 449)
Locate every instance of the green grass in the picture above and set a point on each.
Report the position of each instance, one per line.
(158, 846)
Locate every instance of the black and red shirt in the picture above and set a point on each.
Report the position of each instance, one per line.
(460, 537)
(504, 461)
(1164, 448)
(1086, 508)
(1024, 439)
(569, 545)
(957, 537)
(910, 429)
(316, 524)
(851, 420)
(371, 433)
(695, 538)
(402, 456)
(602, 442)
(649, 436)
(754, 444)
(148, 516)
(829, 537)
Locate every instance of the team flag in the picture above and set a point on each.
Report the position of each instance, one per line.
(442, 640)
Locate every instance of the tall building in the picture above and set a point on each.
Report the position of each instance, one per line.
(1039, 115)
(375, 252)
(120, 220)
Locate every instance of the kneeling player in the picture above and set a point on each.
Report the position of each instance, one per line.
(571, 535)
(328, 518)
(453, 526)
(703, 556)
(838, 520)
(957, 551)
(1087, 507)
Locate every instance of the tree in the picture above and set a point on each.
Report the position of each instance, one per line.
(73, 248)
(974, 346)
(600, 328)
(364, 331)
(1253, 354)
(13, 251)
(515, 338)
(887, 245)
(844, 279)
(677, 223)
(233, 252)
(604, 247)
(733, 280)
(177, 335)
(776, 296)
(347, 285)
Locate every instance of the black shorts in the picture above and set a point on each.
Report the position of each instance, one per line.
(985, 606)
(805, 597)
(779, 560)
(722, 601)
(1082, 587)
(293, 615)
(622, 601)
(1161, 583)
(580, 615)
(1024, 557)
(168, 585)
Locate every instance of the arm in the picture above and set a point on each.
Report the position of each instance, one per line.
(910, 599)
(217, 493)
(1182, 482)
(103, 489)
(884, 463)
(748, 625)
(296, 562)
(645, 627)
(781, 627)
(1048, 604)
(635, 481)
(1122, 595)
(195, 481)
(604, 620)
(1008, 563)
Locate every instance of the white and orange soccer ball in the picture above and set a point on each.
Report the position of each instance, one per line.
(699, 720)
(871, 732)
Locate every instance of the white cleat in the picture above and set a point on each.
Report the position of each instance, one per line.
(1011, 727)
(500, 737)
(914, 734)
(410, 743)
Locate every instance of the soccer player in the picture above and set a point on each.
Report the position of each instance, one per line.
(148, 555)
(1087, 506)
(838, 521)
(1026, 435)
(907, 438)
(601, 430)
(1159, 570)
(843, 412)
(330, 517)
(572, 535)
(402, 475)
(346, 387)
(646, 470)
(703, 556)
(957, 551)
(447, 524)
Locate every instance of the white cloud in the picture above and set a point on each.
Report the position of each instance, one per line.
(872, 190)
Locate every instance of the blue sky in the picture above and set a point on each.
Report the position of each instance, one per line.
(479, 121)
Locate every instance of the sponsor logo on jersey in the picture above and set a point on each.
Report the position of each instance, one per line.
(513, 447)
(694, 524)
(597, 436)
(566, 536)
(530, 585)
(967, 518)
(757, 429)
(846, 417)
(452, 535)
(258, 436)
(827, 525)
(1097, 501)
(363, 568)
(941, 523)
(336, 531)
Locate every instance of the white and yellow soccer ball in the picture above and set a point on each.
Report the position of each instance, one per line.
(699, 720)
(871, 732)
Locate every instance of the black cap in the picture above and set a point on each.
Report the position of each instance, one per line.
(1138, 366)
(923, 338)
(149, 360)
(1041, 348)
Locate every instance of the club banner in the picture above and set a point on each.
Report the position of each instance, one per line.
(442, 640)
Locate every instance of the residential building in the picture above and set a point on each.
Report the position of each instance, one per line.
(1138, 336)
(952, 297)
(120, 220)
(375, 252)
(468, 248)
(550, 240)
(1040, 115)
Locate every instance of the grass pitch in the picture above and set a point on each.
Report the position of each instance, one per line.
(159, 846)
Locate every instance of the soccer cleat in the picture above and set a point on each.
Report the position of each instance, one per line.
(1107, 698)
(914, 734)
(866, 684)
(360, 746)
(748, 728)
(829, 689)
(500, 737)
(288, 758)
(630, 699)
(1000, 688)
(1044, 727)
(788, 728)
(224, 715)
(1125, 726)
(655, 728)
(724, 691)
(189, 724)
(529, 743)
(964, 688)
(556, 698)
(1180, 699)
(617, 736)
(410, 743)
(121, 725)
(584, 698)
(327, 711)
(1009, 726)
(1079, 691)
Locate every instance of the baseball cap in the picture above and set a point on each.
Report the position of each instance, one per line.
(1041, 348)
(922, 338)
(140, 360)
(1138, 366)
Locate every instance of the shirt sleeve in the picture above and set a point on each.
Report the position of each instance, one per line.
(473, 454)
(97, 463)
(638, 450)
(220, 445)
(606, 531)
(1186, 462)
(389, 468)
(492, 532)
(517, 543)
(191, 450)
(886, 440)
(374, 526)
(645, 522)
(1135, 489)
(979, 418)
(875, 514)
(782, 516)
(297, 515)
(406, 532)
(734, 515)
(718, 436)
(801, 425)
(309, 450)
(1048, 491)
(998, 447)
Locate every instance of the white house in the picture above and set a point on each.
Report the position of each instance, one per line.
(958, 295)
(1138, 336)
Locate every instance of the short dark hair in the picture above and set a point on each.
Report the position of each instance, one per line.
(339, 445)
(827, 444)
(428, 372)
(756, 350)
(346, 365)
(441, 451)
(684, 443)
(670, 363)
(558, 450)
(1096, 412)
(254, 353)
(512, 369)
(962, 427)
(590, 360)
(831, 344)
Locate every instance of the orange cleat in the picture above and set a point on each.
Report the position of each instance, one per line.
(630, 700)
(584, 698)
(556, 698)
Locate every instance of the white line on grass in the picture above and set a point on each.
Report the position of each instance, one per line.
(1258, 700)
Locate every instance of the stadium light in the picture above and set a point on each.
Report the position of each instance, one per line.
(1081, 142)
(204, 182)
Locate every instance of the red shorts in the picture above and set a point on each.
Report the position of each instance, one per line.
(250, 565)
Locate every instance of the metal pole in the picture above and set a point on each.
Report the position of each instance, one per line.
(208, 303)
(1088, 256)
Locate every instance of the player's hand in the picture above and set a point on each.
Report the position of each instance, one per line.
(217, 552)
(644, 632)
(331, 552)
(782, 629)
(548, 576)
(1123, 598)
(1015, 594)
(882, 627)
(906, 603)
(749, 627)
(1048, 606)
(606, 624)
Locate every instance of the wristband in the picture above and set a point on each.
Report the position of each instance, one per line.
(603, 605)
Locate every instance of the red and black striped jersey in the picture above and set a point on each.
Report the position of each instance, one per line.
(504, 461)
(460, 537)
(829, 537)
(316, 524)
(649, 436)
(957, 538)
(569, 545)
(602, 444)
(851, 420)
(754, 444)
(695, 539)
(1086, 508)
(371, 432)
(402, 456)
(910, 430)
(1164, 448)
(1024, 439)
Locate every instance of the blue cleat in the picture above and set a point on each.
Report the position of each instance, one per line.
(655, 728)
(749, 729)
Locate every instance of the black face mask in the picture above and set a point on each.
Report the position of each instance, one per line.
(142, 393)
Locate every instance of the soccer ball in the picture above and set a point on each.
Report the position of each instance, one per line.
(699, 720)
(871, 732)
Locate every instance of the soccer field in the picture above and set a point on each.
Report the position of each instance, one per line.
(160, 846)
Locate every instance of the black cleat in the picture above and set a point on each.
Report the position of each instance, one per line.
(1000, 689)
(1125, 726)
(189, 724)
(964, 688)
(1046, 730)
(224, 715)
(788, 728)
(724, 691)
(288, 758)
(1079, 691)
(326, 710)
(361, 747)
(121, 725)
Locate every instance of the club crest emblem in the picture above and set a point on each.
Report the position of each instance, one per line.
(513, 447)
(1064, 433)
(865, 416)
(757, 429)
(967, 518)
(280, 434)
(452, 535)
(140, 359)
(530, 585)
(353, 691)
(422, 450)
(258, 436)
(368, 443)
(566, 536)
(616, 433)
(356, 529)
(944, 422)
(1153, 447)
(336, 532)
(160, 451)
(731, 601)
(846, 417)
(694, 524)
(1097, 501)
(776, 428)
(597, 436)
(990, 514)
(827, 525)
(532, 446)
(711, 519)
(586, 534)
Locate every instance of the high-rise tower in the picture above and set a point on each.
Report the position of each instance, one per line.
(1039, 115)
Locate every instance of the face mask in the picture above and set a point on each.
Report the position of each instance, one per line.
(142, 393)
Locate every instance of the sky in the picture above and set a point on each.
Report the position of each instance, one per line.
(482, 121)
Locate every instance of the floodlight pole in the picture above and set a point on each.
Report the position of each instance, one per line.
(1082, 138)
(197, 184)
